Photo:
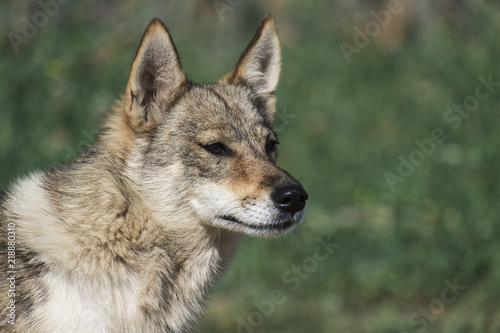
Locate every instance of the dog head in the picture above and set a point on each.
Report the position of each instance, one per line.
(210, 148)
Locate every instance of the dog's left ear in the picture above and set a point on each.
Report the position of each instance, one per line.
(156, 79)
(259, 66)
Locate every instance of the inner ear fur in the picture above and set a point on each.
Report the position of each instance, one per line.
(156, 79)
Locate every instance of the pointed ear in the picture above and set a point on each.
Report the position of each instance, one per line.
(156, 79)
(259, 66)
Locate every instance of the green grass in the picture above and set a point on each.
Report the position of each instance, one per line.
(342, 127)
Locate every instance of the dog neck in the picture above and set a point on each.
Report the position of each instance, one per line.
(179, 259)
(111, 239)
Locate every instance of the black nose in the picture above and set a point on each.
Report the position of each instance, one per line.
(290, 199)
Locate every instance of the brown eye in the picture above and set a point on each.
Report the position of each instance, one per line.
(216, 148)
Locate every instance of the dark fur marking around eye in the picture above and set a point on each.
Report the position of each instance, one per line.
(216, 149)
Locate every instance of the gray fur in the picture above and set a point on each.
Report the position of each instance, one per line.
(129, 237)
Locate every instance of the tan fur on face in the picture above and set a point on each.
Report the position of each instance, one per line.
(130, 236)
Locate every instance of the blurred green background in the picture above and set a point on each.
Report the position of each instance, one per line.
(346, 123)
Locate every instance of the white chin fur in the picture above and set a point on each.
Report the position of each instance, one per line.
(222, 209)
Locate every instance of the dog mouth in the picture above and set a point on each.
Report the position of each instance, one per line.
(274, 227)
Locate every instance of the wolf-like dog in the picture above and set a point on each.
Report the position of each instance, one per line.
(130, 236)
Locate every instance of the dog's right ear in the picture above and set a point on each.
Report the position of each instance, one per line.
(156, 79)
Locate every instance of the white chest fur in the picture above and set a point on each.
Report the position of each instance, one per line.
(82, 306)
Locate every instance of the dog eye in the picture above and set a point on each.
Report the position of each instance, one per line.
(216, 148)
(271, 146)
